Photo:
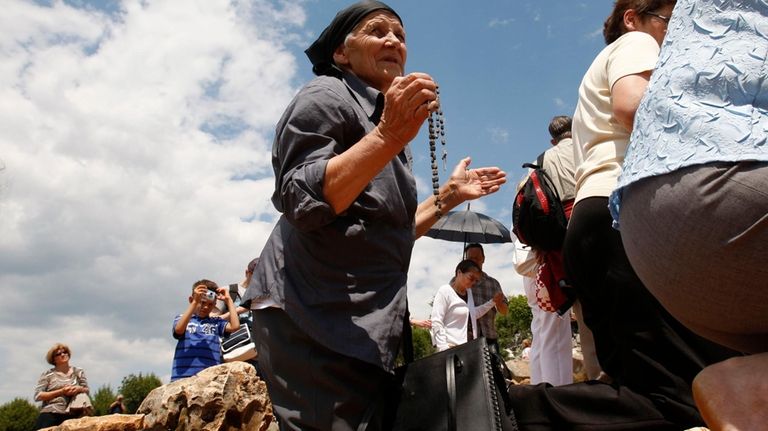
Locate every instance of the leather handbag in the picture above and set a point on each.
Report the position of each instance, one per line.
(239, 345)
(80, 405)
(452, 390)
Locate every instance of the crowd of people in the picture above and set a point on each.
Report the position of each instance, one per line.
(664, 168)
(671, 148)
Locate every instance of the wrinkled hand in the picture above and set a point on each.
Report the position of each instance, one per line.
(475, 183)
(408, 102)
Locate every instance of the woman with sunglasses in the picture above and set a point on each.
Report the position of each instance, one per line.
(58, 386)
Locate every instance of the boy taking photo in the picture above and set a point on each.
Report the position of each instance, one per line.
(198, 333)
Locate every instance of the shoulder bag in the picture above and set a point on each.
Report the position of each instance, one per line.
(455, 389)
(80, 404)
(238, 346)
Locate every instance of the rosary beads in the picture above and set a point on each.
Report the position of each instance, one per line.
(437, 127)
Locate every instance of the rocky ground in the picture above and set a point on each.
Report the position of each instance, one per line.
(227, 397)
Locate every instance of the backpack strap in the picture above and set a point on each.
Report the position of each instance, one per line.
(538, 165)
(78, 373)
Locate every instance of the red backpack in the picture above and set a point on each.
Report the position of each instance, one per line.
(538, 215)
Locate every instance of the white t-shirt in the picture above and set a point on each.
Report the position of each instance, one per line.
(600, 142)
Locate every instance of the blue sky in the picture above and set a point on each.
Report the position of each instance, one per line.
(135, 143)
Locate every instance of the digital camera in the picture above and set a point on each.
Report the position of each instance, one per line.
(210, 295)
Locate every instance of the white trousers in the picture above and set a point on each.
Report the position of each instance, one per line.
(551, 358)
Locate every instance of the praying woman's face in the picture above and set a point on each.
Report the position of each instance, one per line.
(375, 50)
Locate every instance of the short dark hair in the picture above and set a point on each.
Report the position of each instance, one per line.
(560, 127)
(467, 265)
(207, 283)
(474, 245)
(614, 28)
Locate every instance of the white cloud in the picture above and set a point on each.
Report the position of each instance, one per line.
(499, 135)
(136, 153)
(595, 34)
(500, 22)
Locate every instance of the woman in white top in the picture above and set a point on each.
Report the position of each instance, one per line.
(454, 313)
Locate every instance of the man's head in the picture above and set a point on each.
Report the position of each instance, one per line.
(474, 252)
(366, 39)
(207, 303)
(560, 128)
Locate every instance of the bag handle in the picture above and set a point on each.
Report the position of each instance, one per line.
(452, 362)
(77, 372)
(407, 339)
(540, 165)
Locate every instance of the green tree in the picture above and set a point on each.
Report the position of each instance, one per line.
(515, 326)
(136, 388)
(18, 415)
(102, 399)
(422, 343)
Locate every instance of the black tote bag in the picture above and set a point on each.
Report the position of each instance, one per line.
(452, 390)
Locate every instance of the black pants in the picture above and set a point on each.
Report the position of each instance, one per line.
(651, 357)
(311, 386)
(45, 420)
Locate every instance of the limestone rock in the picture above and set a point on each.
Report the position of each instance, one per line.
(226, 397)
(520, 370)
(102, 423)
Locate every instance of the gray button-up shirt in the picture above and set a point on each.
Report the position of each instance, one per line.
(340, 277)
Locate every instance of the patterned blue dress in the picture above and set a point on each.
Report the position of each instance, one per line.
(707, 100)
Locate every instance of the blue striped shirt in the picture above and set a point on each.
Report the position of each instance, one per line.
(199, 347)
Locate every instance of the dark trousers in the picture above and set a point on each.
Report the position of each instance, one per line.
(651, 357)
(312, 387)
(45, 420)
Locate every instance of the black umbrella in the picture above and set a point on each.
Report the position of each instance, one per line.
(469, 226)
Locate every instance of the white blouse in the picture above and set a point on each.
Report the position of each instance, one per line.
(450, 317)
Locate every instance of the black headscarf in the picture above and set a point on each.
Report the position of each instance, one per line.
(320, 53)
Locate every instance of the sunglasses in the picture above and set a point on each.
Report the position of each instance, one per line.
(661, 17)
(61, 353)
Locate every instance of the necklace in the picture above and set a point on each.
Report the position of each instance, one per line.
(436, 123)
